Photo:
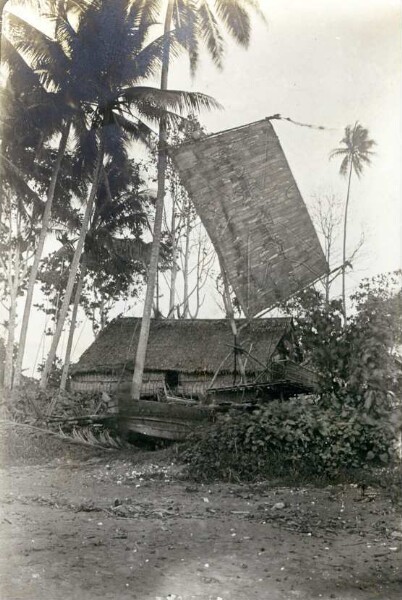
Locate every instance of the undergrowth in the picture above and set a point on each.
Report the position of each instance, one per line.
(297, 439)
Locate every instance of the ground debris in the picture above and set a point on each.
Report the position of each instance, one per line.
(150, 537)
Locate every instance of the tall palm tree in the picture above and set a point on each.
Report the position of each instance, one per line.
(101, 64)
(355, 152)
(196, 21)
(60, 114)
(27, 120)
(109, 255)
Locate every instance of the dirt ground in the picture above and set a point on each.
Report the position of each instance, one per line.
(80, 523)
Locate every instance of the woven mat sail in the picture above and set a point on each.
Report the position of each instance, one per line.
(245, 194)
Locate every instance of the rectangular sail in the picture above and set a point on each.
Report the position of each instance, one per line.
(245, 194)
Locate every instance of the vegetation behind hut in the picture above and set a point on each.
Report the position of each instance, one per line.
(354, 421)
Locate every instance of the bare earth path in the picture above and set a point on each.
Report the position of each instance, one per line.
(84, 525)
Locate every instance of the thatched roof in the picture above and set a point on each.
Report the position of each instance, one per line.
(191, 346)
(246, 196)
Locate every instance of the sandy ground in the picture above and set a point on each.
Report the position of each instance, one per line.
(77, 523)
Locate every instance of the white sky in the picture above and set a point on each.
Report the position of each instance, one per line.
(325, 62)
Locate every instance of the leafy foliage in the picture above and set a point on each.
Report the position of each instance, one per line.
(281, 438)
(356, 361)
(55, 372)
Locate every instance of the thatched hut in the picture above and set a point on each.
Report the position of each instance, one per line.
(192, 357)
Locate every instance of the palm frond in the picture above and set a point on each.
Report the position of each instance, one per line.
(137, 130)
(356, 149)
(343, 169)
(236, 20)
(337, 152)
(40, 51)
(255, 6)
(176, 100)
(186, 22)
(65, 251)
(115, 140)
(210, 32)
(65, 34)
(86, 152)
(16, 179)
(154, 114)
(21, 74)
(145, 63)
(143, 13)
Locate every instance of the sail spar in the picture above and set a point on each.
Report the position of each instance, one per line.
(245, 194)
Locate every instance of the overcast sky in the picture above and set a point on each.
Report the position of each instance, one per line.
(324, 62)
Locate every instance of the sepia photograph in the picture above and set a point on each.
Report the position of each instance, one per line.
(200, 299)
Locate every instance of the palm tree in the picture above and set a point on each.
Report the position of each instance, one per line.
(59, 114)
(106, 60)
(27, 122)
(120, 207)
(355, 152)
(196, 21)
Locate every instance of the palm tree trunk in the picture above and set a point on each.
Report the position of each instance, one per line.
(154, 259)
(74, 267)
(345, 223)
(77, 298)
(38, 254)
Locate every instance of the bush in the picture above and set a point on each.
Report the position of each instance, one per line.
(281, 438)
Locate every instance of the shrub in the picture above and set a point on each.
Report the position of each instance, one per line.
(281, 438)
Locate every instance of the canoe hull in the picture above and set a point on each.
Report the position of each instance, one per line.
(163, 420)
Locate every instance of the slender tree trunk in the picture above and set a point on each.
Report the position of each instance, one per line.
(345, 223)
(102, 315)
(231, 317)
(173, 271)
(154, 259)
(186, 267)
(8, 362)
(71, 332)
(38, 254)
(327, 283)
(14, 266)
(74, 267)
(157, 292)
(199, 284)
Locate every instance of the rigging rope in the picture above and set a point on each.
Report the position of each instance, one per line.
(279, 117)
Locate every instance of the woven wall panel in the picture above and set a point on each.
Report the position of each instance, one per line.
(245, 194)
